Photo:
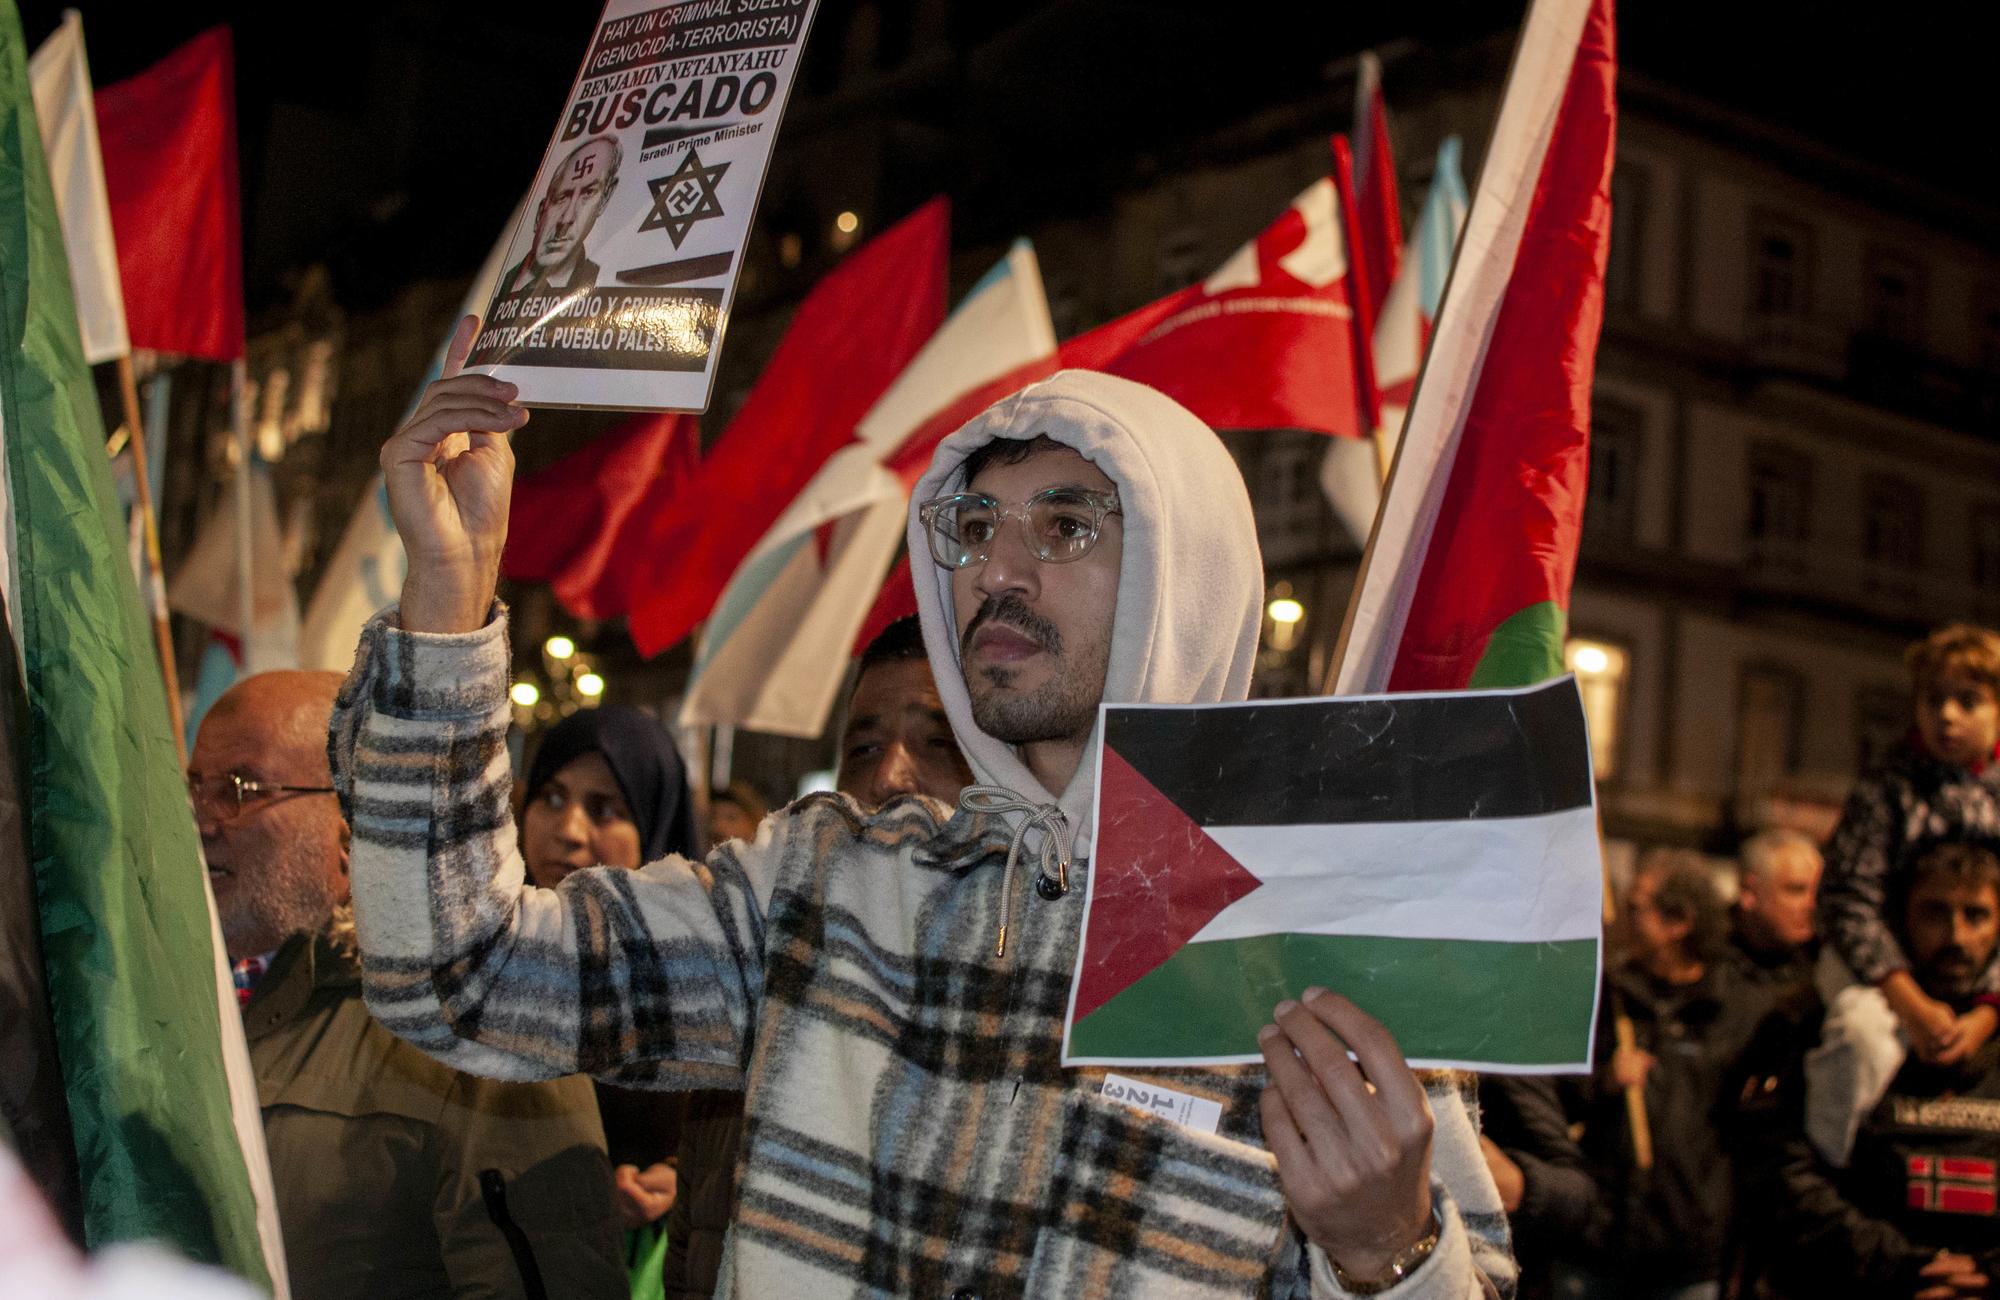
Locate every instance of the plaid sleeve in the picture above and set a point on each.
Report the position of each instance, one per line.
(1854, 891)
(648, 977)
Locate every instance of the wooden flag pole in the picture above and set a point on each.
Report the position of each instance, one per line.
(154, 583)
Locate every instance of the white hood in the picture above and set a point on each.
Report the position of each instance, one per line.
(1191, 590)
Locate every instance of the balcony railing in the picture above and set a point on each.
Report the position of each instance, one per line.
(1893, 591)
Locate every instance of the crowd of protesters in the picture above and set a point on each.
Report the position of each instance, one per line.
(1797, 1094)
(1797, 1083)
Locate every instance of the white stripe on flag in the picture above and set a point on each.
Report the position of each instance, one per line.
(1479, 279)
(64, 106)
(1469, 879)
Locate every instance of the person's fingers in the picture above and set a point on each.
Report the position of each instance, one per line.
(460, 347)
(420, 434)
(1294, 1074)
(1338, 1077)
(1299, 1173)
(476, 389)
(1375, 1048)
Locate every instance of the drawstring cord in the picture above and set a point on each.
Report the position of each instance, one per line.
(997, 800)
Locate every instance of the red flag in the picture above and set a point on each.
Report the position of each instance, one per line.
(168, 137)
(897, 599)
(568, 520)
(1377, 206)
(852, 335)
(1468, 577)
(1266, 342)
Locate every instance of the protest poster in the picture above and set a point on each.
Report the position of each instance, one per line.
(619, 275)
(1433, 857)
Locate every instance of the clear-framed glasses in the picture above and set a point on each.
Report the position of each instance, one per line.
(231, 794)
(1060, 524)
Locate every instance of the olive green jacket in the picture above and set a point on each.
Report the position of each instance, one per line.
(378, 1154)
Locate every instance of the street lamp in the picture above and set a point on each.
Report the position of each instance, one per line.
(559, 647)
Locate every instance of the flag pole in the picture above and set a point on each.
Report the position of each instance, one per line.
(239, 419)
(153, 581)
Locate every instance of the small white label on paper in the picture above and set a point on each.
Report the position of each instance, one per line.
(1180, 1107)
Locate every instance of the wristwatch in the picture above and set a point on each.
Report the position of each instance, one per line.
(1404, 1264)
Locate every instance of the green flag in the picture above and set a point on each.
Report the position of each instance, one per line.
(125, 928)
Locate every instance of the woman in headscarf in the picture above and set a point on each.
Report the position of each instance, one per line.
(608, 787)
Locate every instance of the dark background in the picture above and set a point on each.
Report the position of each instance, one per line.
(389, 140)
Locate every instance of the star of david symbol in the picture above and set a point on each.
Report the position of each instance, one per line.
(684, 198)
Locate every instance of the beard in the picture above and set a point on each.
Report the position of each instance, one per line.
(291, 894)
(1064, 708)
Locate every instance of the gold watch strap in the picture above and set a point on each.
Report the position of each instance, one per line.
(1404, 1264)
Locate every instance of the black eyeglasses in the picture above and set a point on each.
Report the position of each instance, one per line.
(229, 794)
(1060, 524)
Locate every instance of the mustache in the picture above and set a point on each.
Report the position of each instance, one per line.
(1009, 610)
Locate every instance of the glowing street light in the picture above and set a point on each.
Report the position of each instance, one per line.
(1285, 610)
(559, 647)
(524, 694)
(847, 223)
(589, 685)
(1591, 660)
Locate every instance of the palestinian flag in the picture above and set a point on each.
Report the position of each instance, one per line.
(1466, 579)
(1432, 857)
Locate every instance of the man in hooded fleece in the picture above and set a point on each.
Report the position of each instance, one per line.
(888, 988)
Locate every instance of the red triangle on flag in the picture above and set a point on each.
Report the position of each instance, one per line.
(1158, 879)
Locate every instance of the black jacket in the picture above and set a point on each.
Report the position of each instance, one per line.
(705, 1199)
(1922, 1179)
(1711, 1040)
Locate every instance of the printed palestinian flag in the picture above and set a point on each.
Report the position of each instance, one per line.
(1433, 857)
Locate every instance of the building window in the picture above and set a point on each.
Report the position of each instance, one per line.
(1600, 668)
(1631, 193)
(1895, 297)
(1781, 266)
(1986, 547)
(1611, 505)
(1780, 495)
(1881, 720)
(1892, 523)
(1769, 708)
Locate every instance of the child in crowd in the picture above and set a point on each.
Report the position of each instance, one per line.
(1941, 784)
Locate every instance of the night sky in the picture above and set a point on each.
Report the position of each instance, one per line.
(373, 135)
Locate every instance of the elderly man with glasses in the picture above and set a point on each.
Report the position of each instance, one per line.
(396, 1176)
(888, 987)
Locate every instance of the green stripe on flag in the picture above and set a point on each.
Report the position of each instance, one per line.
(124, 918)
(1526, 649)
(1523, 1004)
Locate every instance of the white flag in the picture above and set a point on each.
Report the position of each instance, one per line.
(68, 117)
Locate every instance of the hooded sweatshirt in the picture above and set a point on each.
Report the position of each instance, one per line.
(909, 1128)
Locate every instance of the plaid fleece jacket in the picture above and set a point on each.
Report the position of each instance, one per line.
(909, 1130)
(1909, 803)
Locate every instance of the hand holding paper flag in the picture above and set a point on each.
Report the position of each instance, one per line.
(1434, 858)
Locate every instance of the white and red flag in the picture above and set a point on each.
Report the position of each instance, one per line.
(1402, 330)
(1268, 341)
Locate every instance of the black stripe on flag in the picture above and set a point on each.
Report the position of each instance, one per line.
(1417, 758)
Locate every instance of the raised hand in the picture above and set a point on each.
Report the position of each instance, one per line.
(450, 474)
(1353, 1142)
